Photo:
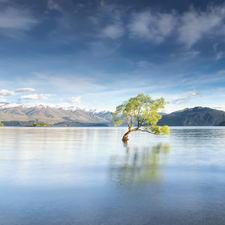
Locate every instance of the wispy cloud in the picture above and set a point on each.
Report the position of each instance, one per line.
(36, 96)
(99, 48)
(53, 6)
(153, 27)
(113, 31)
(144, 64)
(219, 54)
(196, 24)
(25, 89)
(186, 55)
(215, 47)
(190, 27)
(115, 25)
(68, 83)
(188, 98)
(14, 19)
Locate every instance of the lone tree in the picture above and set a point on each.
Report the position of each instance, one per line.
(141, 111)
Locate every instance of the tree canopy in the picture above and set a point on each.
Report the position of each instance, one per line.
(141, 111)
(1, 124)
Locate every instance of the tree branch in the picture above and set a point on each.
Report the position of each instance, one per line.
(145, 131)
(127, 121)
(142, 122)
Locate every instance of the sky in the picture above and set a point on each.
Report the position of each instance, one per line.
(99, 53)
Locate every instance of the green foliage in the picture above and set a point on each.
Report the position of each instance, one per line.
(143, 111)
(1, 124)
(40, 125)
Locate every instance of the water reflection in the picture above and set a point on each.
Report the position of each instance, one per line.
(86, 176)
(139, 167)
(60, 151)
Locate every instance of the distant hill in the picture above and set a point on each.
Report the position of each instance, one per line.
(78, 124)
(51, 115)
(61, 124)
(198, 116)
(18, 123)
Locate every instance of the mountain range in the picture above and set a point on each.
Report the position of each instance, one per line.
(24, 115)
(198, 116)
(52, 115)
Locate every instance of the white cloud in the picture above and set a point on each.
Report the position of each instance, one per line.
(3, 99)
(188, 98)
(25, 89)
(16, 19)
(113, 31)
(154, 27)
(75, 100)
(196, 24)
(44, 96)
(36, 96)
(4, 92)
(52, 5)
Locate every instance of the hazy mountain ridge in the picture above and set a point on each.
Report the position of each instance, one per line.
(197, 116)
(50, 115)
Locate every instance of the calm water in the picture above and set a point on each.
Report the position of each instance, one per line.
(88, 176)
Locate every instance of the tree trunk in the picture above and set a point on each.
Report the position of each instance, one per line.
(125, 136)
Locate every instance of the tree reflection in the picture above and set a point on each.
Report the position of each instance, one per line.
(139, 166)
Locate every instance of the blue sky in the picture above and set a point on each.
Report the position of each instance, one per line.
(99, 53)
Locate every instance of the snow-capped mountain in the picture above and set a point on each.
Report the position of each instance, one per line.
(52, 114)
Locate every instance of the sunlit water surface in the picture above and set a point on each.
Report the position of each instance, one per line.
(88, 176)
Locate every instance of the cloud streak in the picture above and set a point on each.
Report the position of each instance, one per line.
(25, 89)
(188, 98)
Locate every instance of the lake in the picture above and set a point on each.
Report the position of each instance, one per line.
(89, 176)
